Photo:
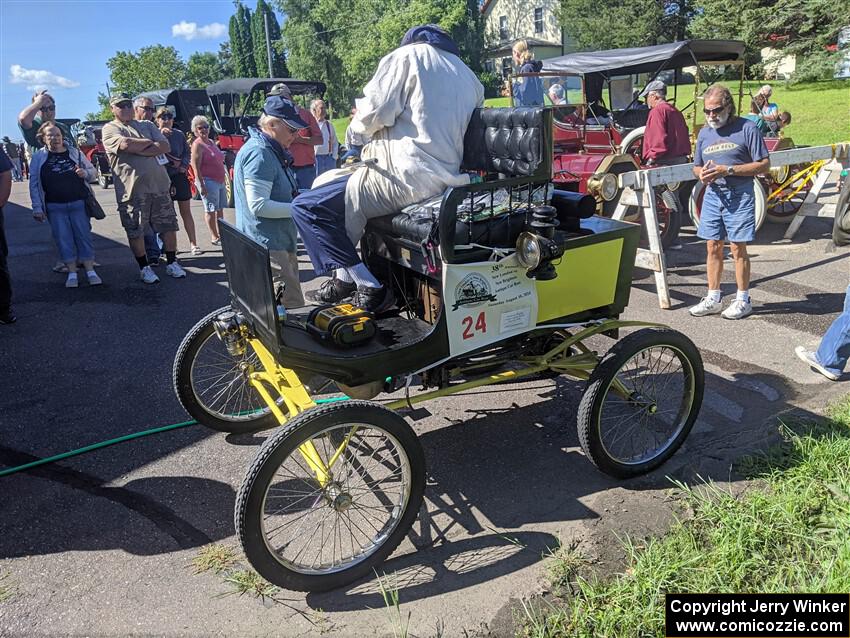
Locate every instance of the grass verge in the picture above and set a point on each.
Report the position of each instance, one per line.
(789, 533)
(7, 587)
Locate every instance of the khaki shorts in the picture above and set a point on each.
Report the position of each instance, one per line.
(156, 210)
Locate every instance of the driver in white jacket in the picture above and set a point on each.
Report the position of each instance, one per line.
(416, 109)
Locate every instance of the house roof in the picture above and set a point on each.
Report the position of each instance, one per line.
(647, 59)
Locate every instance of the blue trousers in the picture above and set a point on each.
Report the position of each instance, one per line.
(324, 163)
(153, 244)
(71, 230)
(319, 215)
(305, 175)
(834, 349)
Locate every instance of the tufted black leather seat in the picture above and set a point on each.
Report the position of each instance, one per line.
(507, 141)
(503, 143)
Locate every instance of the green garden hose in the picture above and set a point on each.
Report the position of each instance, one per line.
(120, 439)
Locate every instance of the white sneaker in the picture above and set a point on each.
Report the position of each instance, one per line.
(810, 358)
(94, 278)
(196, 250)
(175, 270)
(72, 281)
(738, 309)
(148, 275)
(706, 306)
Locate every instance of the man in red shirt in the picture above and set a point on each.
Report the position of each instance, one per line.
(303, 154)
(665, 141)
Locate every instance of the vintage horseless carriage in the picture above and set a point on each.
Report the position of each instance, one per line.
(236, 105)
(493, 287)
(589, 151)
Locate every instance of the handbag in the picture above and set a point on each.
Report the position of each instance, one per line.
(93, 207)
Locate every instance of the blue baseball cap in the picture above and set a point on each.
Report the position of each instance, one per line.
(285, 110)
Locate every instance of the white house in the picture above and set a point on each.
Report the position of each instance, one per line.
(506, 21)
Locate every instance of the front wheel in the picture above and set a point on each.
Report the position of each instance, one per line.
(641, 402)
(330, 497)
(213, 386)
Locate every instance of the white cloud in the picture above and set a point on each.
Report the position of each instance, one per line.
(36, 80)
(191, 30)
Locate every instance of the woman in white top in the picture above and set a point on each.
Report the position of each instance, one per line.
(328, 150)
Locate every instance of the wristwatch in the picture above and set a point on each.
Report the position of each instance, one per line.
(730, 170)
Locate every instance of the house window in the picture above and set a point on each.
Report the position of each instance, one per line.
(538, 20)
(507, 67)
(503, 27)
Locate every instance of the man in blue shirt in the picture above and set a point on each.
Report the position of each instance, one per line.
(729, 153)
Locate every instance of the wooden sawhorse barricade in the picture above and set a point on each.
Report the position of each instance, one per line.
(637, 188)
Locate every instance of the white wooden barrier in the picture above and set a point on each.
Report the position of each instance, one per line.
(637, 189)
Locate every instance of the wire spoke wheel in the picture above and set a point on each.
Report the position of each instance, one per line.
(641, 402)
(213, 385)
(786, 199)
(331, 496)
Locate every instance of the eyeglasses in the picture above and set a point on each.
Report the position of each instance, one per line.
(165, 116)
(147, 109)
(202, 127)
(716, 111)
(48, 108)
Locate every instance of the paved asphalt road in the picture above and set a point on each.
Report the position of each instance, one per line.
(101, 544)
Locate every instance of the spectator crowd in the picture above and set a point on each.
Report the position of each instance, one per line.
(287, 186)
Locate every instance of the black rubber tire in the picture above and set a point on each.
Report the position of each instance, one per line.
(182, 380)
(250, 499)
(590, 406)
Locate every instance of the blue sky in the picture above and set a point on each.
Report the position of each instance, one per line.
(67, 42)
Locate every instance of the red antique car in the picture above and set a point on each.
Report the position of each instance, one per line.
(599, 124)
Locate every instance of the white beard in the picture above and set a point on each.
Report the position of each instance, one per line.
(721, 121)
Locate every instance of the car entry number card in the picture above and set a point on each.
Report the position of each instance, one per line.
(486, 302)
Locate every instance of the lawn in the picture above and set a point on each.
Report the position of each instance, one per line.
(789, 532)
(820, 110)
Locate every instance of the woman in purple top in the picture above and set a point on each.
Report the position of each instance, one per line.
(208, 167)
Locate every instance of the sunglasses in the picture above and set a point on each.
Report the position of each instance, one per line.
(202, 127)
(166, 116)
(147, 109)
(716, 111)
(124, 105)
(48, 108)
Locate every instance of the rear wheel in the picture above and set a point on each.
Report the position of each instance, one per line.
(331, 496)
(213, 386)
(228, 187)
(102, 177)
(787, 198)
(641, 402)
(698, 192)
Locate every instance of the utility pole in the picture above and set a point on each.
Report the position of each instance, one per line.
(268, 43)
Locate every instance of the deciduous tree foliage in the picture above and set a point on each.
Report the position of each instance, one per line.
(613, 24)
(341, 41)
(205, 68)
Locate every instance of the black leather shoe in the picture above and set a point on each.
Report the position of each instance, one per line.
(7, 317)
(331, 291)
(374, 300)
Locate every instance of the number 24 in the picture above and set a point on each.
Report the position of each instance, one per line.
(480, 325)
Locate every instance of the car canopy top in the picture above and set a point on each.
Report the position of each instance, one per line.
(673, 55)
(248, 85)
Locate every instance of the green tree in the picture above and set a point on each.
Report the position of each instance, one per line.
(807, 29)
(241, 43)
(637, 23)
(153, 67)
(205, 68)
(341, 41)
(264, 14)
